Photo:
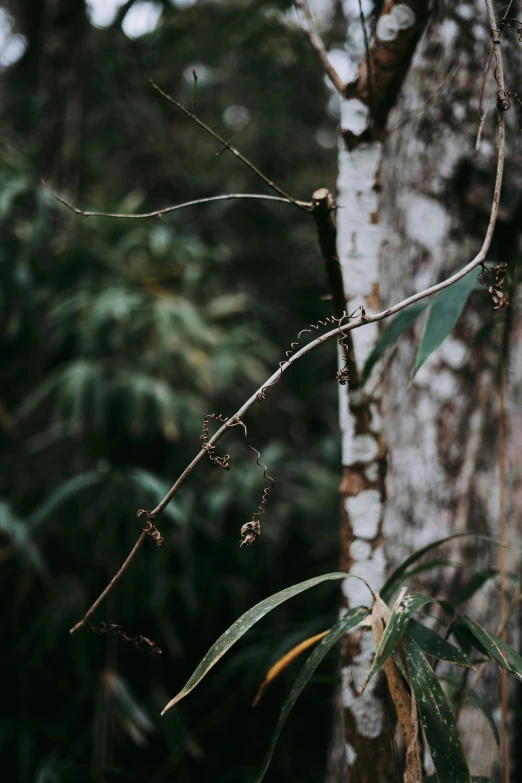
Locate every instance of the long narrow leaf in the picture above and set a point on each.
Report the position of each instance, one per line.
(484, 708)
(434, 645)
(495, 648)
(64, 492)
(402, 610)
(400, 324)
(398, 576)
(352, 618)
(473, 585)
(245, 622)
(444, 314)
(285, 661)
(437, 718)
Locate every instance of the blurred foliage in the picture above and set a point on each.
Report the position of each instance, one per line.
(117, 337)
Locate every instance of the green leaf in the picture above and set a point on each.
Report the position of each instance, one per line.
(433, 644)
(481, 779)
(401, 572)
(402, 610)
(474, 584)
(64, 492)
(352, 618)
(495, 648)
(391, 334)
(444, 314)
(18, 532)
(481, 704)
(437, 717)
(423, 567)
(245, 622)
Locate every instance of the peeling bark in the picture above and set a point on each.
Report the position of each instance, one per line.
(442, 431)
(368, 741)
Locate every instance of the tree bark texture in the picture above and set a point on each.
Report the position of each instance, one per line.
(442, 431)
(421, 461)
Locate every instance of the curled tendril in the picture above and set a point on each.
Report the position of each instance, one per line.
(150, 528)
(493, 278)
(503, 102)
(251, 529)
(223, 462)
(141, 643)
(329, 320)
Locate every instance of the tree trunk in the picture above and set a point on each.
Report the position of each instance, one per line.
(442, 431)
(440, 475)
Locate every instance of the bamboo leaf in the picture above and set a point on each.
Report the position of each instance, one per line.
(403, 608)
(433, 644)
(400, 324)
(245, 622)
(64, 492)
(401, 572)
(444, 314)
(499, 651)
(484, 707)
(437, 718)
(474, 584)
(352, 618)
(285, 661)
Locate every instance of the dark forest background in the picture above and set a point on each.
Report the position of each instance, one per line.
(117, 337)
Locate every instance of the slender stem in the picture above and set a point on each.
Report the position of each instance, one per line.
(499, 73)
(226, 145)
(318, 46)
(115, 578)
(166, 210)
(368, 59)
(502, 553)
(361, 321)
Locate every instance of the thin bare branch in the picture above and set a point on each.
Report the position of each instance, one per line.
(85, 619)
(316, 42)
(363, 319)
(166, 210)
(227, 146)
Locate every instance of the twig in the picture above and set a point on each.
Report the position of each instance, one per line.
(84, 621)
(323, 206)
(317, 45)
(499, 74)
(429, 101)
(368, 59)
(483, 85)
(502, 534)
(481, 127)
(361, 321)
(227, 146)
(195, 96)
(166, 210)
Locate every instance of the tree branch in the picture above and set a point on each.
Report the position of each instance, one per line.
(346, 327)
(382, 71)
(316, 42)
(227, 146)
(166, 210)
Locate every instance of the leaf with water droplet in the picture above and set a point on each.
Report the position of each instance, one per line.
(437, 718)
(244, 623)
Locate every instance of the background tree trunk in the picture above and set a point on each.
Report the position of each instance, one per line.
(441, 433)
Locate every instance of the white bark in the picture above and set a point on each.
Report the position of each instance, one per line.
(442, 431)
